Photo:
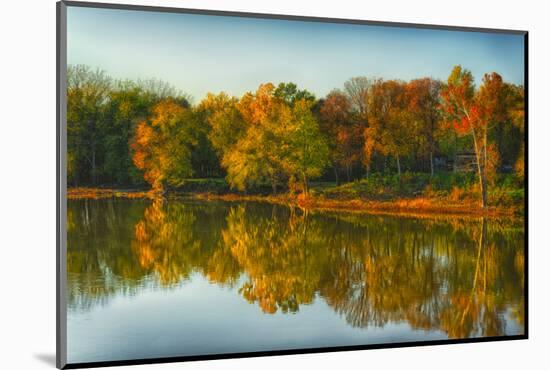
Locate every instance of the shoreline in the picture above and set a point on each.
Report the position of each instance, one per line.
(408, 207)
(398, 207)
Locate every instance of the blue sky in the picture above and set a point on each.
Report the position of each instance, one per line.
(200, 54)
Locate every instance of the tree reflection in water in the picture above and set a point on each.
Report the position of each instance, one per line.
(461, 277)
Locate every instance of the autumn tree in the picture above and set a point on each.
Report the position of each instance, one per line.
(518, 118)
(334, 114)
(278, 138)
(343, 130)
(226, 123)
(163, 144)
(422, 99)
(248, 165)
(221, 125)
(377, 111)
(357, 91)
(228, 134)
(256, 158)
(395, 136)
(459, 104)
(475, 113)
(387, 133)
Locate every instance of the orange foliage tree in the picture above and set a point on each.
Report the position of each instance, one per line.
(162, 145)
(343, 135)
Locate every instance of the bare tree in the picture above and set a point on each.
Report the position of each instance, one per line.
(357, 91)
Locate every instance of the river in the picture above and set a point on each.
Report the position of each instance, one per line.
(149, 279)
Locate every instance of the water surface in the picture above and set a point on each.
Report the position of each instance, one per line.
(184, 277)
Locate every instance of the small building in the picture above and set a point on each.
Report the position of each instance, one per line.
(465, 162)
(443, 163)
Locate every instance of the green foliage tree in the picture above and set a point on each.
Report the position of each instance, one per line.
(307, 154)
(128, 104)
(87, 93)
(290, 93)
(225, 123)
(101, 119)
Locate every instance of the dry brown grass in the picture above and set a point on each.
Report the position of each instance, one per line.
(96, 193)
(456, 204)
(420, 206)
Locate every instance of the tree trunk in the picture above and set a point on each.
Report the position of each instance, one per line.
(348, 172)
(273, 180)
(484, 191)
(432, 145)
(480, 171)
(454, 151)
(484, 173)
(336, 175)
(398, 166)
(431, 163)
(94, 178)
(306, 185)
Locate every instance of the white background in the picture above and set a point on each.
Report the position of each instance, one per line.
(27, 182)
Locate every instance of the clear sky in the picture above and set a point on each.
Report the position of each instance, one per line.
(199, 54)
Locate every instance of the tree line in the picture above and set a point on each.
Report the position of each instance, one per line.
(133, 133)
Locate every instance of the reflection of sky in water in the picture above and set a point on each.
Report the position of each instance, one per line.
(155, 279)
(202, 318)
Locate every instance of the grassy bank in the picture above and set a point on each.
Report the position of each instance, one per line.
(446, 194)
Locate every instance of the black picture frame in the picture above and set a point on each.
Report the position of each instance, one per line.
(61, 186)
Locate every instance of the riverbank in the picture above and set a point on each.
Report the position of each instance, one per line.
(101, 193)
(411, 193)
(418, 206)
(404, 207)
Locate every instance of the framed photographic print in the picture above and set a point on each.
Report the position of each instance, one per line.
(235, 184)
